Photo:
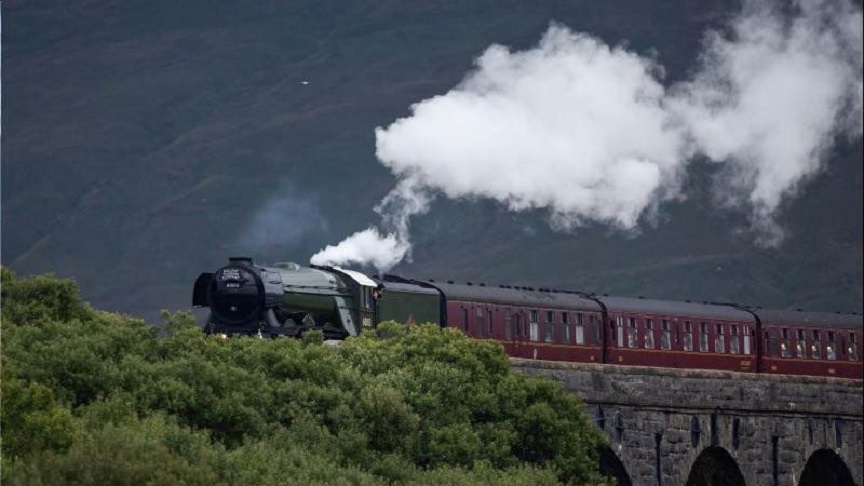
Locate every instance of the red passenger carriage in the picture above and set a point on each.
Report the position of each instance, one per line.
(811, 343)
(571, 326)
(648, 332)
(530, 323)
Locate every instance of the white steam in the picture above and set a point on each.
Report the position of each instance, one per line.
(371, 246)
(769, 100)
(591, 133)
(571, 125)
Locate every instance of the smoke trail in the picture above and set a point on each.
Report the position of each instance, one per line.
(573, 125)
(373, 247)
(297, 214)
(541, 128)
(590, 132)
(769, 99)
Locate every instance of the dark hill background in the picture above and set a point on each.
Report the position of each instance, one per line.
(146, 141)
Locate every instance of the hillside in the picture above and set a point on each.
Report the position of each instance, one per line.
(145, 142)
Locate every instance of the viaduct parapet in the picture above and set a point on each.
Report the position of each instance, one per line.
(669, 427)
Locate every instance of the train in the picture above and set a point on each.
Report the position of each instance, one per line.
(288, 299)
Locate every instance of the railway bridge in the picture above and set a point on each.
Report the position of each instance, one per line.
(669, 427)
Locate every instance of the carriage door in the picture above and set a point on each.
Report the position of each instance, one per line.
(521, 346)
(509, 326)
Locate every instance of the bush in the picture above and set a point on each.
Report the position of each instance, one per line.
(32, 419)
(150, 451)
(43, 298)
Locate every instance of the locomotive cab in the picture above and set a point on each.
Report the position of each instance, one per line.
(365, 293)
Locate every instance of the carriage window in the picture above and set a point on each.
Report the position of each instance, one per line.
(688, 336)
(748, 334)
(830, 352)
(550, 329)
(490, 322)
(533, 327)
(366, 293)
(719, 339)
(733, 340)
(508, 321)
(784, 343)
(816, 347)
(465, 319)
(620, 337)
(703, 337)
(664, 334)
(633, 333)
(479, 327)
(649, 334)
(565, 328)
(580, 330)
(518, 324)
(853, 347)
(801, 346)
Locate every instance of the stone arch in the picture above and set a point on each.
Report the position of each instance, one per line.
(611, 466)
(826, 468)
(715, 467)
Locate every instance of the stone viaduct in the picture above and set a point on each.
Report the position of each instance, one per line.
(691, 427)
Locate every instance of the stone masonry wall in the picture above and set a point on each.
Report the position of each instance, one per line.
(719, 415)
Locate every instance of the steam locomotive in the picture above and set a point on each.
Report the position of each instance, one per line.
(287, 299)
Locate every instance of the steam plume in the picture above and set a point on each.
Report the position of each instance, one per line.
(769, 99)
(572, 125)
(591, 133)
(373, 247)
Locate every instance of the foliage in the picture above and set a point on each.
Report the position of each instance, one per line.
(97, 398)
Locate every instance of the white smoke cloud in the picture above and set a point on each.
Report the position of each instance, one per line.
(591, 133)
(541, 128)
(770, 97)
(371, 246)
(573, 125)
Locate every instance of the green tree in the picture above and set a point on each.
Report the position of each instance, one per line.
(32, 419)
